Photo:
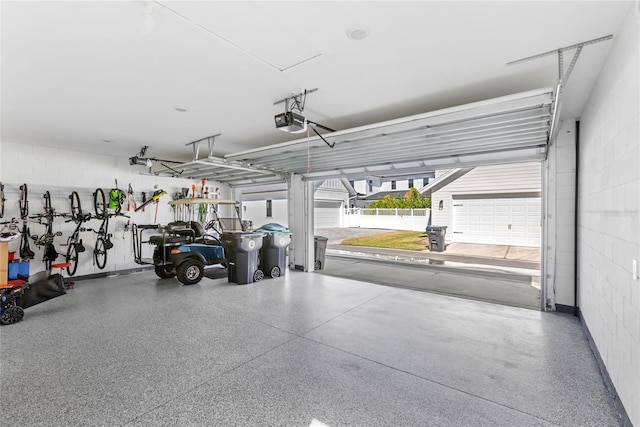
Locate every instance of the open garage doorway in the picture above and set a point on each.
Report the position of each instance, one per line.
(492, 251)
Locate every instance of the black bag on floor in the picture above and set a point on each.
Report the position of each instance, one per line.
(42, 291)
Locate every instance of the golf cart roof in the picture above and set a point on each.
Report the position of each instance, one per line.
(201, 201)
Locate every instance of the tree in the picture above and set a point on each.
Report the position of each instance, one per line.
(412, 200)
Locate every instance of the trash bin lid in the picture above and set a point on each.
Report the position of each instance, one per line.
(320, 238)
(240, 234)
(273, 228)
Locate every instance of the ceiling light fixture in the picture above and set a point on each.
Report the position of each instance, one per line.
(358, 32)
(180, 109)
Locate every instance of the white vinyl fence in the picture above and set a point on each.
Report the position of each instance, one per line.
(391, 219)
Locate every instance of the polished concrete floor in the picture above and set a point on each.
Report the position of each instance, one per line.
(510, 286)
(294, 351)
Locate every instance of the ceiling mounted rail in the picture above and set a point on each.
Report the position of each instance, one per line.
(562, 76)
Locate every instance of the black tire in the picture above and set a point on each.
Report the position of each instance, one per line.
(317, 265)
(258, 275)
(72, 257)
(275, 272)
(190, 271)
(47, 203)
(76, 207)
(99, 203)
(2, 199)
(100, 253)
(11, 315)
(164, 272)
(24, 203)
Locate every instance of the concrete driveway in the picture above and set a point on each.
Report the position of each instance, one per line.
(500, 255)
(506, 275)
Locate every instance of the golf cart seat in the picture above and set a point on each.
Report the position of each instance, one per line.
(178, 232)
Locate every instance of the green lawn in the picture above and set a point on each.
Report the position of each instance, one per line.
(408, 240)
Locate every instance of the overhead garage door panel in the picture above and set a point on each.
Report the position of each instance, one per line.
(500, 220)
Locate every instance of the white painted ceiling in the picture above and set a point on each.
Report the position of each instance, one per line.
(74, 74)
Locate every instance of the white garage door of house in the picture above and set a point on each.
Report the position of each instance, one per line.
(510, 219)
(327, 214)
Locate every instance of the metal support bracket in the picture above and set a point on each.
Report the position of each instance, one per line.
(196, 146)
(562, 76)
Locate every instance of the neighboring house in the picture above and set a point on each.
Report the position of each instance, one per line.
(330, 198)
(373, 189)
(492, 205)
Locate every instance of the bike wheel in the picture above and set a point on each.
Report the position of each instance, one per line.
(99, 203)
(2, 199)
(24, 204)
(76, 208)
(72, 258)
(47, 203)
(100, 253)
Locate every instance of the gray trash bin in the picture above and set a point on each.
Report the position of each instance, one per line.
(242, 250)
(319, 250)
(436, 238)
(273, 255)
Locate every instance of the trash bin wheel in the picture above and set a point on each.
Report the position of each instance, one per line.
(317, 265)
(190, 271)
(258, 275)
(164, 272)
(275, 272)
(11, 315)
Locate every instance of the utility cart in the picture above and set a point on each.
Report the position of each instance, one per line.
(184, 248)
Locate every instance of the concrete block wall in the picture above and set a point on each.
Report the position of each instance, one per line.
(561, 168)
(609, 206)
(62, 171)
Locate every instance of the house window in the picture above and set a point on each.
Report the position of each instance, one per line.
(269, 208)
(425, 181)
(411, 183)
(352, 183)
(370, 186)
(393, 185)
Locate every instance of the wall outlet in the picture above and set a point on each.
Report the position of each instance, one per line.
(634, 270)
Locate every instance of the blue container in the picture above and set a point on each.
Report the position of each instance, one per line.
(18, 268)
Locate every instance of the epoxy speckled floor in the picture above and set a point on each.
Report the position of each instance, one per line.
(139, 351)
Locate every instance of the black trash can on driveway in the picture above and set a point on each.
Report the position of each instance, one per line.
(273, 255)
(319, 249)
(436, 238)
(242, 250)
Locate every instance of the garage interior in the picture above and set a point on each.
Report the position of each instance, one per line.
(388, 89)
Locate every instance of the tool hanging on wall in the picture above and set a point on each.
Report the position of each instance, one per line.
(144, 201)
(193, 191)
(156, 196)
(131, 200)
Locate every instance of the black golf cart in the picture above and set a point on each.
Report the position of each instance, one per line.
(185, 247)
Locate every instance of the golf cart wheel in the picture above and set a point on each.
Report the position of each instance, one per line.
(258, 275)
(275, 272)
(317, 265)
(164, 272)
(190, 272)
(11, 315)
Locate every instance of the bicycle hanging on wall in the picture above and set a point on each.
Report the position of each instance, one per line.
(74, 242)
(46, 239)
(103, 237)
